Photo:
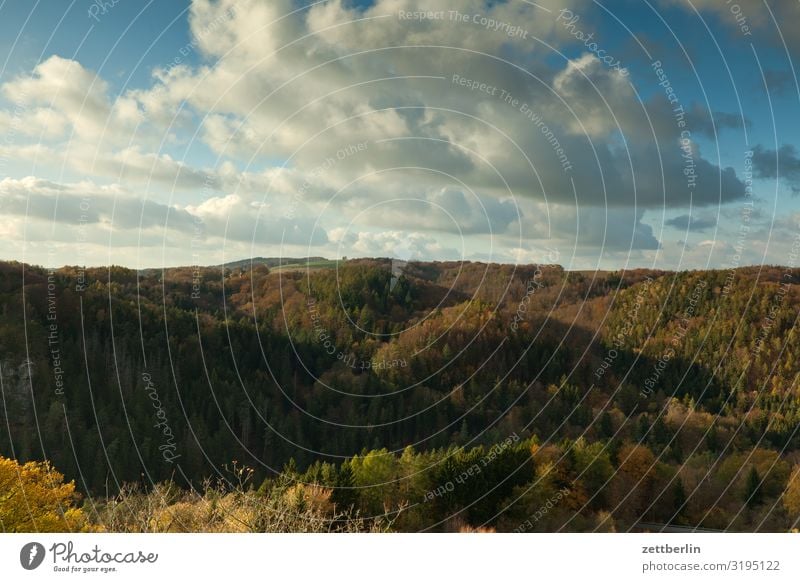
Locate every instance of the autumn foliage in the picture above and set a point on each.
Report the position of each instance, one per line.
(35, 498)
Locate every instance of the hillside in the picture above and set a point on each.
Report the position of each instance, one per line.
(633, 397)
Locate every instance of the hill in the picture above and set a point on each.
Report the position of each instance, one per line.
(638, 396)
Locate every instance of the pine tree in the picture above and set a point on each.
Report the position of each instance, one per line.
(678, 501)
(712, 439)
(606, 426)
(344, 494)
(753, 493)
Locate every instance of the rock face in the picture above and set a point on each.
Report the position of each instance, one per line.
(16, 407)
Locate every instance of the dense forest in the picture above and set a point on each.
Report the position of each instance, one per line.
(431, 396)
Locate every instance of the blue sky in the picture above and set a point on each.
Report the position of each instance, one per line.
(147, 31)
(191, 132)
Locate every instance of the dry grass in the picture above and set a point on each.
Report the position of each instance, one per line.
(220, 507)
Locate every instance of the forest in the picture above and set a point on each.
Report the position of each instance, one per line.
(359, 395)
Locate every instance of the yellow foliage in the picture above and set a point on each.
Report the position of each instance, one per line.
(791, 497)
(34, 498)
(311, 495)
(227, 513)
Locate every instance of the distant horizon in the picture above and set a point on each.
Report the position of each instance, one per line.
(500, 131)
(388, 258)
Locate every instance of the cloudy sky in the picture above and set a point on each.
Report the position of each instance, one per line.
(608, 134)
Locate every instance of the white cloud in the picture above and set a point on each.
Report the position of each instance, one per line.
(87, 203)
(750, 18)
(284, 90)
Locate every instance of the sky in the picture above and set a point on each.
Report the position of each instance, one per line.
(597, 135)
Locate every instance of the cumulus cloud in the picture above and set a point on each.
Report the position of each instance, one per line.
(61, 93)
(312, 115)
(114, 208)
(302, 83)
(66, 87)
(686, 222)
(576, 230)
(783, 163)
(233, 218)
(85, 203)
(393, 244)
(615, 230)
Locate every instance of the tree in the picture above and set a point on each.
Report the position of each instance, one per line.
(344, 495)
(712, 439)
(375, 474)
(634, 484)
(366, 318)
(791, 496)
(678, 501)
(606, 426)
(753, 493)
(34, 498)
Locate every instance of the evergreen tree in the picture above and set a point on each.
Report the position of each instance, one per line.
(678, 501)
(753, 492)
